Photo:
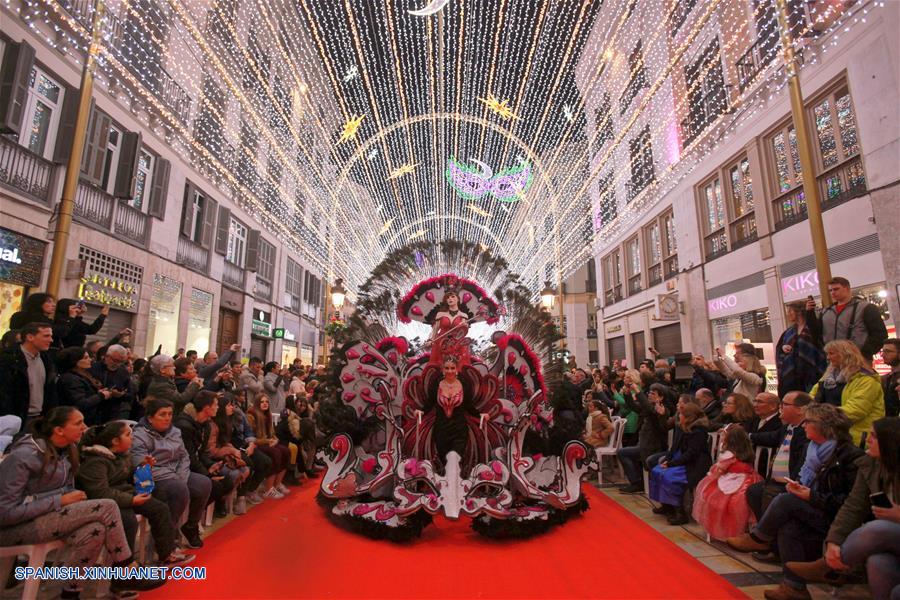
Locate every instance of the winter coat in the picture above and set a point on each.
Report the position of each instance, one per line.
(694, 448)
(740, 381)
(859, 322)
(172, 460)
(774, 439)
(14, 392)
(834, 479)
(120, 379)
(208, 372)
(276, 387)
(242, 433)
(600, 429)
(164, 387)
(105, 474)
(857, 507)
(264, 432)
(195, 436)
(73, 331)
(27, 488)
(631, 416)
(74, 390)
(862, 400)
(653, 436)
(251, 383)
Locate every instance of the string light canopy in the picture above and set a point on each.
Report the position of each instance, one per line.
(351, 128)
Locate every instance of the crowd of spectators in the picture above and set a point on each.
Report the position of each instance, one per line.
(80, 422)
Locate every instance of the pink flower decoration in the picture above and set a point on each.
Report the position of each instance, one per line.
(352, 354)
(416, 311)
(368, 465)
(485, 476)
(348, 396)
(523, 369)
(347, 377)
(497, 467)
(511, 357)
(537, 457)
(429, 295)
(466, 297)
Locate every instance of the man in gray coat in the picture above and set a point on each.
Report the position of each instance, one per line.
(848, 318)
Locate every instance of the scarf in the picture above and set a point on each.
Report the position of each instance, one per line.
(832, 379)
(589, 422)
(816, 455)
(802, 367)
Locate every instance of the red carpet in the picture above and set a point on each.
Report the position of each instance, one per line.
(287, 549)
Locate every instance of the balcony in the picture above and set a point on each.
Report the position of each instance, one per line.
(634, 284)
(716, 244)
(670, 267)
(703, 114)
(655, 275)
(233, 276)
(192, 255)
(743, 231)
(170, 94)
(839, 184)
(613, 295)
(756, 58)
(263, 289)
(25, 172)
(98, 209)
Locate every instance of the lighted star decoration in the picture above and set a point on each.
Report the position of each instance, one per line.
(498, 107)
(402, 170)
(351, 126)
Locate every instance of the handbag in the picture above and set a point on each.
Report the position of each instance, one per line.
(143, 480)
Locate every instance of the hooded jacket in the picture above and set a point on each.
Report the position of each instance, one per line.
(27, 489)
(163, 387)
(32, 312)
(105, 474)
(172, 460)
(862, 400)
(72, 331)
(195, 436)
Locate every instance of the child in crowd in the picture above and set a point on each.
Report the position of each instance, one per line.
(106, 472)
(720, 502)
(598, 426)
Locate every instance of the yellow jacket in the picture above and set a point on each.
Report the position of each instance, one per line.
(862, 400)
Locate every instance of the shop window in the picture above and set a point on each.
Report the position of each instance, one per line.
(712, 205)
(633, 263)
(740, 203)
(236, 252)
(165, 310)
(42, 112)
(611, 267)
(293, 286)
(641, 152)
(199, 321)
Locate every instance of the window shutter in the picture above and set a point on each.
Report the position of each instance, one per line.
(95, 146)
(15, 73)
(222, 231)
(252, 262)
(160, 190)
(209, 221)
(187, 210)
(65, 133)
(126, 174)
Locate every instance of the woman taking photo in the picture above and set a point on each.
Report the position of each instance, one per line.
(851, 385)
(745, 374)
(851, 541)
(260, 418)
(69, 325)
(77, 387)
(38, 501)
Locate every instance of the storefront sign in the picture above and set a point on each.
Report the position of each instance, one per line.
(278, 333)
(21, 258)
(101, 289)
(262, 323)
(800, 286)
(614, 328)
(738, 302)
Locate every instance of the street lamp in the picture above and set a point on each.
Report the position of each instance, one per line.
(548, 296)
(338, 293)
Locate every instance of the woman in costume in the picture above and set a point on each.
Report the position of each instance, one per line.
(449, 330)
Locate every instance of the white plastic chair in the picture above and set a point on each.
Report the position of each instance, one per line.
(714, 445)
(612, 446)
(759, 451)
(37, 556)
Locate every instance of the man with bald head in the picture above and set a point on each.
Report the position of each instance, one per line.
(766, 406)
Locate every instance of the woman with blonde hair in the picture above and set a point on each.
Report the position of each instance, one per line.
(745, 374)
(849, 384)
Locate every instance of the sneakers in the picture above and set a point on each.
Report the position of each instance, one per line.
(240, 506)
(273, 494)
(283, 489)
(177, 558)
(254, 498)
(192, 536)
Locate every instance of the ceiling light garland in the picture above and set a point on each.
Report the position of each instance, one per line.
(358, 108)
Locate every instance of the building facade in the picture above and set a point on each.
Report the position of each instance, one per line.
(176, 249)
(698, 253)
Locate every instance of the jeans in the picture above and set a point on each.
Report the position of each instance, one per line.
(877, 546)
(260, 467)
(799, 528)
(630, 458)
(757, 494)
(191, 495)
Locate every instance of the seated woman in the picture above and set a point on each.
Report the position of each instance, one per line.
(106, 472)
(260, 419)
(737, 409)
(630, 438)
(851, 385)
(853, 542)
(720, 502)
(598, 426)
(39, 503)
(234, 429)
(683, 466)
(182, 490)
(296, 429)
(76, 386)
(219, 448)
(798, 519)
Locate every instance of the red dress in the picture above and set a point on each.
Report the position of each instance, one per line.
(454, 344)
(720, 501)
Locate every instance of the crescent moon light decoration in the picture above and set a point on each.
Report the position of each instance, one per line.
(435, 6)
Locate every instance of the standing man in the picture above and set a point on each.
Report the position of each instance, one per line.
(213, 363)
(848, 318)
(251, 379)
(27, 375)
(891, 382)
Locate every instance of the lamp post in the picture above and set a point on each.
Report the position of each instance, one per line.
(73, 168)
(336, 294)
(804, 147)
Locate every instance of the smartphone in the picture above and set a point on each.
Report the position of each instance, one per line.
(789, 480)
(880, 499)
(81, 303)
